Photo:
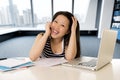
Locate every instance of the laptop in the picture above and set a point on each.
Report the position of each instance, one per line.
(105, 53)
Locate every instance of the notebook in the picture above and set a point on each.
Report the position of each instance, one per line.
(105, 53)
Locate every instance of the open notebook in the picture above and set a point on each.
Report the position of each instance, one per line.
(105, 53)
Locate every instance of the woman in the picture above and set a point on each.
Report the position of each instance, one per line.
(61, 38)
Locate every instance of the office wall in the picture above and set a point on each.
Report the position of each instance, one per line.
(106, 15)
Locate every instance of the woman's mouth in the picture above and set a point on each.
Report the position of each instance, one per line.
(55, 32)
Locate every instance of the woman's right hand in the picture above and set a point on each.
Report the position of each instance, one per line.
(47, 27)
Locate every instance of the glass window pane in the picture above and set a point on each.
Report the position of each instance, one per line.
(62, 5)
(80, 9)
(5, 17)
(85, 11)
(21, 12)
(42, 11)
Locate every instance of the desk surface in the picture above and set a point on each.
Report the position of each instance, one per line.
(109, 72)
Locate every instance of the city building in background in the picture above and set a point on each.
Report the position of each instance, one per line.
(31, 13)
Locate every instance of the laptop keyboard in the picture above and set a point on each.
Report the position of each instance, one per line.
(91, 63)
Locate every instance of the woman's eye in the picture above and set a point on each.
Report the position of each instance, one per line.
(55, 21)
(62, 25)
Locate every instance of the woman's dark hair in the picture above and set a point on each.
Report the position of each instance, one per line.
(69, 16)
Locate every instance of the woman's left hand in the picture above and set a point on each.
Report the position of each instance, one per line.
(74, 25)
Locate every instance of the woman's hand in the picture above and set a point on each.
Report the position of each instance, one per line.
(74, 25)
(47, 27)
(71, 50)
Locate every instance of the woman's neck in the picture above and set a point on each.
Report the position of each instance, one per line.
(56, 41)
(57, 46)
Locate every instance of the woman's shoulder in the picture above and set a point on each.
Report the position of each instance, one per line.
(40, 35)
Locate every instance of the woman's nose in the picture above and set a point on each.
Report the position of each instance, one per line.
(57, 26)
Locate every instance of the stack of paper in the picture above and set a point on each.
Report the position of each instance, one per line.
(46, 62)
(14, 63)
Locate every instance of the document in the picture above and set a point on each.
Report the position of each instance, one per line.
(46, 62)
(14, 63)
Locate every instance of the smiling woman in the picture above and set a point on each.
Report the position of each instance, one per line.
(61, 38)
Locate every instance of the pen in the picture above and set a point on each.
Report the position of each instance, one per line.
(3, 58)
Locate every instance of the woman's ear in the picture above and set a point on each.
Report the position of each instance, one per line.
(68, 32)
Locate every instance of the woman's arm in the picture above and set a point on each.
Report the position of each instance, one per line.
(71, 49)
(39, 44)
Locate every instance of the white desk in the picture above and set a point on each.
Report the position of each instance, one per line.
(109, 72)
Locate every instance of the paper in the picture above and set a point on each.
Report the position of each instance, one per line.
(3, 68)
(14, 63)
(46, 62)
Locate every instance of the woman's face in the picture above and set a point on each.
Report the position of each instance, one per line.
(59, 27)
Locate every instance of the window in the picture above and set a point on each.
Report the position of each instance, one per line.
(21, 13)
(42, 11)
(86, 12)
(27, 13)
(62, 5)
(5, 16)
(81, 9)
